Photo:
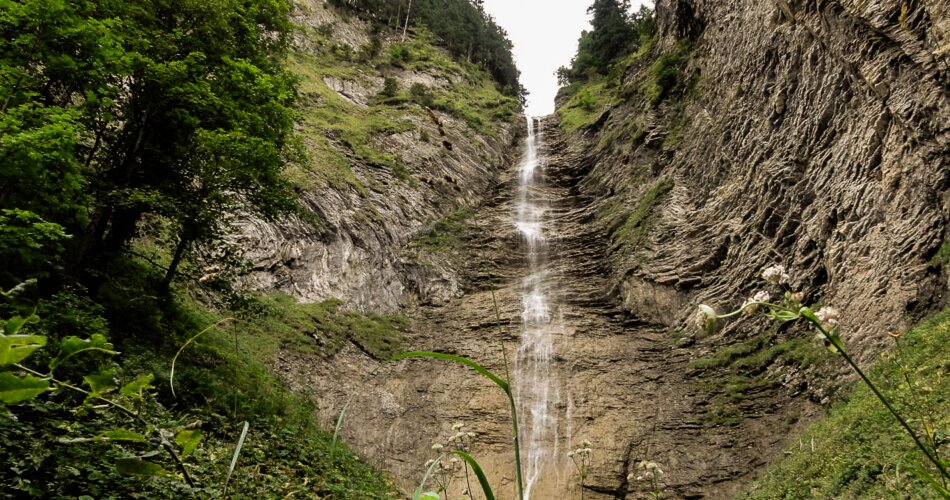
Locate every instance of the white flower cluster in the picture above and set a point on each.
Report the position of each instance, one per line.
(650, 470)
(584, 452)
(751, 304)
(461, 440)
(444, 466)
(776, 274)
(828, 316)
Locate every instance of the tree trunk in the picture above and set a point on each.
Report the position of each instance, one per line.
(405, 27)
(183, 243)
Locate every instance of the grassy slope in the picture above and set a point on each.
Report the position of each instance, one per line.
(859, 449)
(222, 380)
(337, 132)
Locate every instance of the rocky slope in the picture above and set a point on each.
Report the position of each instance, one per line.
(812, 135)
(382, 170)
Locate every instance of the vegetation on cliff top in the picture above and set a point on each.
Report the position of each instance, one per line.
(463, 27)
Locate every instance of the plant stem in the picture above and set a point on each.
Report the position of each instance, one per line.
(880, 396)
(511, 398)
(123, 409)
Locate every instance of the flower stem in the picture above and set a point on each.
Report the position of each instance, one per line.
(880, 396)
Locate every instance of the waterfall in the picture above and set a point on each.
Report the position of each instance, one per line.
(536, 391)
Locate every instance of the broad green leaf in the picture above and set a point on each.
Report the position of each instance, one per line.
(188, 440)
(15, 348)
(14, 389)
(14, 324)
(430, 495)
(123, 435)
(135, 388)
(102, 382)
(71, 346)
(458, 359)
(138, 467)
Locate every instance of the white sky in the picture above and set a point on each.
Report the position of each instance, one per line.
(544, 33)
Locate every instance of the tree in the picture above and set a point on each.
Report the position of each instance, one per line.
(615, 33)
(112, 111)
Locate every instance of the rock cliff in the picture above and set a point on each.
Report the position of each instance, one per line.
(382, 169)
(746, 134)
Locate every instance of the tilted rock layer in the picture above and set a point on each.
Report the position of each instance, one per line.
(808, 134)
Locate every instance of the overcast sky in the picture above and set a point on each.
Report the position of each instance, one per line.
(545, 34)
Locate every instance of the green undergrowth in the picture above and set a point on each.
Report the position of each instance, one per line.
(734, 372)
(942, 257)
(446, 234)
(666, 74)
(859, 450)
(634, 231)
(323, 328)
(338, 132)
(222, 379)
(587, 103)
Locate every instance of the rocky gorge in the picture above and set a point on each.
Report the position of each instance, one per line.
(808, 134)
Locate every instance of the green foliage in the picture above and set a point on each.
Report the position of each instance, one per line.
(463, 27)
(859, 451)
(66, 443)
(586, 104)
(420, 94)
(942, 257)
(29, 245)
(323, 327)
(615, 33)
(446, 234)
(666, 74)
(635, 231)
(110, 113)
(390, 87)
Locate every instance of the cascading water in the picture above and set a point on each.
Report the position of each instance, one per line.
(537, 393)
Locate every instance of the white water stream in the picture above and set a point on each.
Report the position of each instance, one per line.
(535, 385)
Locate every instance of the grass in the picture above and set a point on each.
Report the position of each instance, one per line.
(942, 257)
(277, 322)
(337, 132)
(219, 385)
(636, 228)
(586, 104)
(666, 74)
(859, 449)
(445, 234)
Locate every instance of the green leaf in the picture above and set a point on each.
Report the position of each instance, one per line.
(234, 458)
(14, 389)
(15, 348)
(102, 382)
(123, 435)
(418, 494)
(137, 467)
(482, 480)
(188, 440)
(14, 324)
(458, 359)
(785, 315)
(135, 388)
(71, 346)
(430, 495)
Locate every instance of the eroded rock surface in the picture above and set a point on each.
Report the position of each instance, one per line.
(810, 134)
